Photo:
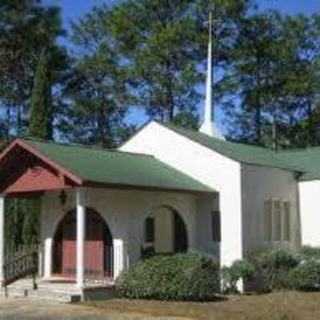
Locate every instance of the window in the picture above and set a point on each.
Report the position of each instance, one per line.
(268, 220)
(216, 226)
(277, 220)
(149, 230)
(286, 221)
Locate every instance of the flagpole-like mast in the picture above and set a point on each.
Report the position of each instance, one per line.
(208, 125)
(208, 102)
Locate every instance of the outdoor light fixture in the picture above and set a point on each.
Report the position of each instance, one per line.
(63, 197)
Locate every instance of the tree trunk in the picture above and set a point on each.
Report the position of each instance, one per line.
(310, 129)
(274, 135)
(258, 124)
(102, 140)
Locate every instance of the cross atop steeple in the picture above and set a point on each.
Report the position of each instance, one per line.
(208, 126)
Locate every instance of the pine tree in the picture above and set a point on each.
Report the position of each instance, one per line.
(97, 87)
(275, 70)
(26, 27)
(147, 54)
(165, 43)
(40, 125)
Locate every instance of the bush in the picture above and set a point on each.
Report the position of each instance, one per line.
(273, 267)
(188, 276)
(306, 276)
(307, 252)
(147, 252)
(240, 269)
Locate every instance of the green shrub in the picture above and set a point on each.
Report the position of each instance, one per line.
(273, 267)
(307, 252)
(147, 252)
(240, 269)
(188, 276)
(306, 276)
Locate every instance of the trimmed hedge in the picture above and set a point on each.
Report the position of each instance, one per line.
(240, 269)
(307, 252)
(188, 276)
(273, 267)
(306, 276)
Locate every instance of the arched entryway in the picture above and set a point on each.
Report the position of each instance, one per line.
(98, 247)
(165, 231)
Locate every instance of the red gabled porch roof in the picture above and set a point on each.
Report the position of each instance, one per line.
(37, 166)
(25, 170)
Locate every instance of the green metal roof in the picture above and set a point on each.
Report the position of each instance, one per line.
(304, 161)
(241, 152)
(116, 167)
(307, 159)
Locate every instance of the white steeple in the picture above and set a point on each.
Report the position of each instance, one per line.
(208, 126)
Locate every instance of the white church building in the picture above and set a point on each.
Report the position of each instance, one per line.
(167, 190)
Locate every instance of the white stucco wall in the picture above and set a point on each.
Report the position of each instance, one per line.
(204, 225)
(124, 211)
(260, 184)
(310, 212)
(207, 166)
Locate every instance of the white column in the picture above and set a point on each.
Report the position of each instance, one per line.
(47, 258)
(81, 230)
(120, 257)
(1, 238)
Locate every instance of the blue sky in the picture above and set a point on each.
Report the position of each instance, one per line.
(73, 9)
(291, 6)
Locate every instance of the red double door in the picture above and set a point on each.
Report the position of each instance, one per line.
(94, 248)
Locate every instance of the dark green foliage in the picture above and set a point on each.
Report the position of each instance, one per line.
(281, 269)
(41, 108)
(14, 220)
(187, 277)
(97, 87)
(187, 120)
(31, 62)
(26, 27)
(31, 223)
(275, 73)
(239, 270)
(163, 44)
(306, 276)
(147, 252)
(273, 267)
(307, 252)
(22, 222)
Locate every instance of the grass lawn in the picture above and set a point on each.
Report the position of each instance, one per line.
(275, 306)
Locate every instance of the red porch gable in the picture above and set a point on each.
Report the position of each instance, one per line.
(23, 170)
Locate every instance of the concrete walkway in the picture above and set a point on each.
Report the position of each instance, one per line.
(27, 309)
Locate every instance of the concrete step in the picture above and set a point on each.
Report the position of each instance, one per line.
(45, 291)
(57, 291)
(65, 297)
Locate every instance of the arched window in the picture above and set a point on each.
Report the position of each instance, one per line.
(165, 231)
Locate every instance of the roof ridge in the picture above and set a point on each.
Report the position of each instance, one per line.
(300, 149)
(239, 152)
(278, 152)
(83, 146)
(172, 126)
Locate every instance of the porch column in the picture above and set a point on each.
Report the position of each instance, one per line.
(120, 257)
(47, 258)
(1, 239)
(81, 230)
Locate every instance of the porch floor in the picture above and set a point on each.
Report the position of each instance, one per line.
(56, 289)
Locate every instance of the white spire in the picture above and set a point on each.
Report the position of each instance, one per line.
(208, 126)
